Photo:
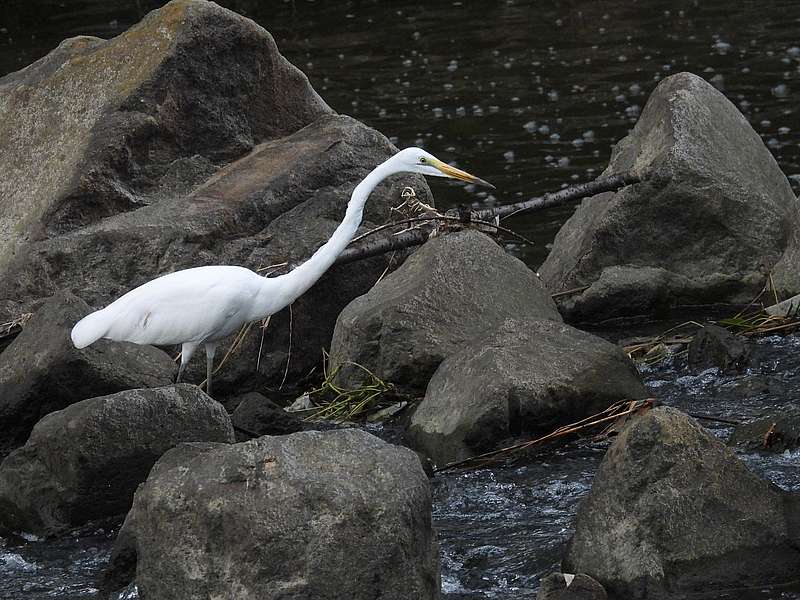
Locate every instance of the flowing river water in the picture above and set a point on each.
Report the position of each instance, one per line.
(530, 95)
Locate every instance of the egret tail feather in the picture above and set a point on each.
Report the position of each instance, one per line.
(89, 329)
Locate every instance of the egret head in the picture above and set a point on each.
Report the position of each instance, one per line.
(417, 160)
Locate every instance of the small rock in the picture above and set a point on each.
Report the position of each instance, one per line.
(565, 586)
(256, 415)
(41, 371)
(773, 433)
(300, 404)
(84, 462)
(714, 346)
(788, 308)
(387, 413)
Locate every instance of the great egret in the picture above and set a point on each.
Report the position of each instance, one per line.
(203, 305)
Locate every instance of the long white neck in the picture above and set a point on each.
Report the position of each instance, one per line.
(285, 289)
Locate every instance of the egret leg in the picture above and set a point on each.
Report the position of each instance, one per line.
(210, 351)
(187, 350)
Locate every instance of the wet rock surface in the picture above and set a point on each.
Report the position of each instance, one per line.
(673, 512)
(713, 216)
(168, 169)
(313, 515)
(453, 289)
(714, 346)
(84, 462)
(41, 371)
(777, 432)
(527, 378)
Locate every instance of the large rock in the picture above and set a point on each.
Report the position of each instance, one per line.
(84, 462)
(98, 127)
(713, 215)
(337, 514)
(452, 290)
(529, 377)
(41, 371)
(202, 146)
(673, 512)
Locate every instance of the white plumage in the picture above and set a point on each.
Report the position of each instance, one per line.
(203, 305)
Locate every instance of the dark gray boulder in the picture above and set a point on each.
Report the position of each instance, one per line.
(565, 586)
(673, 512)
(84, 462)
(41, 371)
(337, 514)
(774, 433)
(455, 288)
(713, 215)
(528, 377)
(256, 415)
(714, 346)
(203, 146)
(99, 127)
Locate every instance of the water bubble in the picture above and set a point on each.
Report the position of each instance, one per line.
(578, 142)
(783, 130)
(509, 156)
(461, 111)
(438, 112)
(563, 162)
(494, 109)
(588, 135)
(794, 52)
(780, 91)
(407, 62)
(554, 137)
(633, 111)
(722, 47)
(635, 89)
(552, 95)
(773, 143)
(530, 126)
(765, 123)
(544, 129)
(718, 81)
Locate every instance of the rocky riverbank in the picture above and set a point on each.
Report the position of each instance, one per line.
(161, 167)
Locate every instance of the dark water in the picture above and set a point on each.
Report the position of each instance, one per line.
(530, 95)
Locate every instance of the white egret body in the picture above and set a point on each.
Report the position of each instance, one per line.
(203, 305)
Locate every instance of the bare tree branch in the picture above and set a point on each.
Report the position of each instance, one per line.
(419, 235)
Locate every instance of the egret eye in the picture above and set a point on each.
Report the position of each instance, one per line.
(422, 160)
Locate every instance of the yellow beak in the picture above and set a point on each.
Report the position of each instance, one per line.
(459, 174)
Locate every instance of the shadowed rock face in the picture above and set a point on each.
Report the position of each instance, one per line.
(450, 291)
(338, 514)
(713, 216)
(529, 377)
(186, 141)
(41, 371)
(84, 462)
(672, 511)
(773, 433)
